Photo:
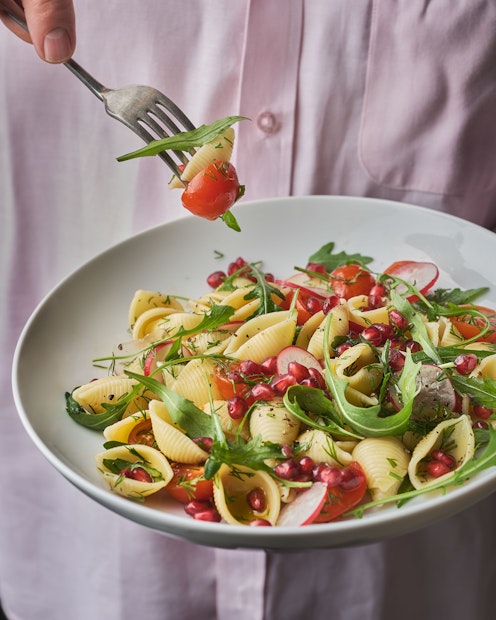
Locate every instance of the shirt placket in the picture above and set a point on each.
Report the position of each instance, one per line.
(268, 95)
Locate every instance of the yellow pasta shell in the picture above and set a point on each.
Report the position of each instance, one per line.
(322, 448)
(120, 431)
(455, 437)
(339, 326)
(108, 390)
(366, 317)
(171, 440)
(230, 426)
(232, 487)
(195, 382)
(384, 461)
(129, 487)
(274, 423)
(148, 300)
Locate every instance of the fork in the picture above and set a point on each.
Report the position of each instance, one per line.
(142, 109)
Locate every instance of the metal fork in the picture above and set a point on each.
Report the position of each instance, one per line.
(141, 108)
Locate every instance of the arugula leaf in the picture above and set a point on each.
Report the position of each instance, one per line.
(456, 296)
(184, 413)
(99, 421)
(185, 140)
(481, 390)
(331, 261)
(263, 290)
(299, 399)
(230, 221)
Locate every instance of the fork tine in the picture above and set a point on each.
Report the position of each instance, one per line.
(147, 119)
(148, 137)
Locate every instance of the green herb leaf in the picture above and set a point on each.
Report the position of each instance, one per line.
(185, 140)
(481, 390)
(98, 421)
(331, 261)
(230, 221)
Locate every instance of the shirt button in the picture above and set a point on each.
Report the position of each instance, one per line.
(267, 122)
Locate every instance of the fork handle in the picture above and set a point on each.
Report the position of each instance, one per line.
(88, 80)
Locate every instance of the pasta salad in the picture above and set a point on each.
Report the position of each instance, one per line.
(297, 401)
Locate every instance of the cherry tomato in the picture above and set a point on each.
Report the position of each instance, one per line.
(212, 191)
(229, 381)
(343, 493)
(188, 484)
(142, 433)
(351, 280)
(470, 326)
(303, 308)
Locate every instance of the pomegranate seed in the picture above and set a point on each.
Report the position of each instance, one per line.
(269, 277)
(256, 500)
(373, 334)
(482, 424)
(207, 515)
(413, 346)
(269, 365)
(317, 268)
(378, 290)
(287, 450)
(314, 305)
(349, 479)
(299, 371)
(306, 464)
(374, 302)
(437, 469)
(316, 375)
(444, 457)
(287, 470)
(329, 474)
(250, 368)
(237, 407)
(465, 362)
(259, 523)
(398, 320)
(195, 506)
(216, 278)
(396, 360)
(205, 443)
(262, 391)
(340, 349)
(329, 303)
(234, 377)
(281, 383)
(310, 382)
(482, 412)
(136, 473)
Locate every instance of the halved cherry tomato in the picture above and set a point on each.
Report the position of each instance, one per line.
(142, 433)
(351, 280)
(188, 484)
(345, 494)
(304, 308)
(212, 191)
(470, 326)
(229, 381)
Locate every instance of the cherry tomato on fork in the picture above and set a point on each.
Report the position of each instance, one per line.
(213, 191)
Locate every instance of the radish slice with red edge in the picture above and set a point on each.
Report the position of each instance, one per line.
(293, 353)
(305, 508)
(421, 275)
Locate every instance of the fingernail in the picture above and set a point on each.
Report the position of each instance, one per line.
(57, 45)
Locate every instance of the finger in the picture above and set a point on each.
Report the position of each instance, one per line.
(51, 25)
(13, 7)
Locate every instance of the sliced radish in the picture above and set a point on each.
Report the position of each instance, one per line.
(305, 508)
(421, 275)
(436, 390)
(320, 293)
(157, 355)
(295, 354)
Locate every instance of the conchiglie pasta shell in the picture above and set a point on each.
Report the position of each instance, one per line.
(442, 333)
(208, 342)
(230, 426)
(108, 390)
(231, 490)
(195, 382)
(171, 440)
(339, 326)
(148, 300)
(486, 368)
(120, 431)
(366, 317)
(322, 448)
(274, 423)
(150, 322)
(263, 336)
(308, 329)
(219, 149)
(358, 366)
(128, 487)
(385, 463)
(455, 437)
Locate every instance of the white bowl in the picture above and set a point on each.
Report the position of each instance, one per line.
(85, 316)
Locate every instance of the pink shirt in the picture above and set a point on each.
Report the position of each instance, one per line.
(386, 98)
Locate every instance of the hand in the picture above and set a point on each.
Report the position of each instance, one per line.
(51, 25)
